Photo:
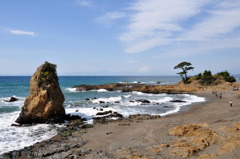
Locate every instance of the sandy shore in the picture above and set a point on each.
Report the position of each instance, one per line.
(207, 130)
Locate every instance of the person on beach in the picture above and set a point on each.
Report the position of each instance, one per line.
(230, 103)
(220, 95)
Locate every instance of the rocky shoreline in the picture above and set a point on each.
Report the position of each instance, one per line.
(126, 87)
(145, 136)
(67, 143)
(207, 131)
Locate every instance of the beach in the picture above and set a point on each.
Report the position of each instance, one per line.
(217, 125)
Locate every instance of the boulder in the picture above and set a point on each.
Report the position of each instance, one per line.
(177, 101)
(11, 99)
(143, 101)
(104, 113)
(45, 102)
(126, 91)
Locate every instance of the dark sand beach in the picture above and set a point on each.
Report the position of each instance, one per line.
(207, 130)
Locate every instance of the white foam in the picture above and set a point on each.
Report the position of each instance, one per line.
(177, 109)
(128, 103)
(129, 82)
(101, 90)
(162, 100)
(147, 94)
(18, 103)
(106, 100)
(127, 96)
(71, 89)
(14, 138)
(87, 113)
(189, 100)
(135, 82)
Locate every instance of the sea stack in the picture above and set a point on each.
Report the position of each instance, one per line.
(45, 102)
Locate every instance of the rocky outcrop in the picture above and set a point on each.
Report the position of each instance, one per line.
(192, 139)
(179, 88)
(155, 89)
(45, 103)
(11, 99)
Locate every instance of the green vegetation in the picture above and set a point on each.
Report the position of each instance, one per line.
(208, 79)
(227, 76)
(65, 133)
(48, 73)
(185, 66)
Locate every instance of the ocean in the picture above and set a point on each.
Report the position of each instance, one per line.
(14, 138)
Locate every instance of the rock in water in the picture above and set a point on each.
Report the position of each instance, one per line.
(45, 103)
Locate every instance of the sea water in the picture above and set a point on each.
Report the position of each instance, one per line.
(14, 138)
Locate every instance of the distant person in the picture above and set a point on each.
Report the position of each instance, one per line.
(230, 103)
(220, 95)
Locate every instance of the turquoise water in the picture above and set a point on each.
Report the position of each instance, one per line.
(13, 138)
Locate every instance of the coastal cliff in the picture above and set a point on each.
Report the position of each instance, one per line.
(45, 103)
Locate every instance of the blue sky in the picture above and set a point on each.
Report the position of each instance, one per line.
(119, 37)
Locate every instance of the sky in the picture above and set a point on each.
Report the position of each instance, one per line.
(119, 37)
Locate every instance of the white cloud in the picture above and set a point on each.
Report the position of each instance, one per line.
(21, 32)
(109, 17)
(131, 61)
(84, 3)
(158, 23)
(220, 22)
(202, 48)
(155, 20)
(144, 69)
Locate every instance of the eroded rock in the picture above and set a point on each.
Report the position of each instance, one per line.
(192, 139)
(45, 102)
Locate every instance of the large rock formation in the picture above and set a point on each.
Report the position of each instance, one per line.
(45, 103)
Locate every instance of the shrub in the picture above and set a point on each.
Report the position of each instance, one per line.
(230, 79)
(48, 73)
(227, 77)
(224, 74)
(207, 78)
(207, 74)
(198, 77)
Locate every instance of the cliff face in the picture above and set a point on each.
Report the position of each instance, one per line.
(45, 103)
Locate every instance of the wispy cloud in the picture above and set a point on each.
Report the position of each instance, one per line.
(158, 23)
(132, 61)
(108, 18)
(84, 3)
(144, 69)
(202, 48)
(21, 32)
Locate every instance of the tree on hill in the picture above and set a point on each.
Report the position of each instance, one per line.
(185, 66)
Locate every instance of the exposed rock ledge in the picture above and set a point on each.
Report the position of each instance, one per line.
(124, 87)
(178, 88)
